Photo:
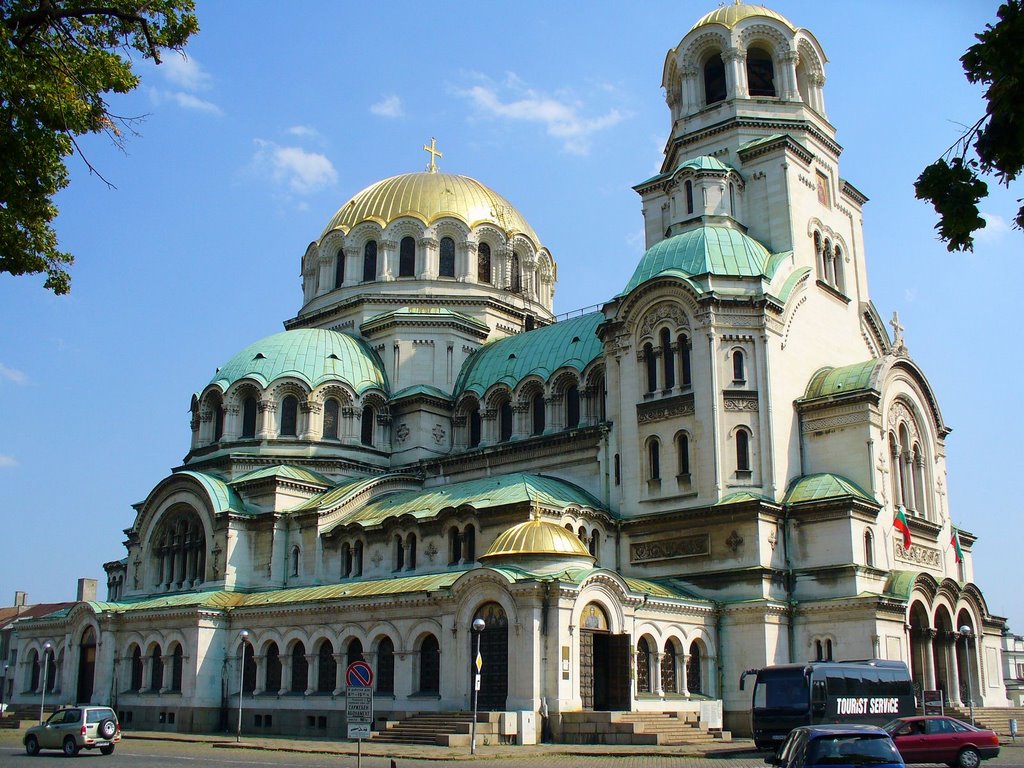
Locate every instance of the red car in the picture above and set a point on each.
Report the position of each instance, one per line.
(939, 739)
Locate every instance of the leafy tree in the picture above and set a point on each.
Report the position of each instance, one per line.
(951, 183)
(58, 60)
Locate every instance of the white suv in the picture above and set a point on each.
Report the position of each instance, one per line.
(75, 728)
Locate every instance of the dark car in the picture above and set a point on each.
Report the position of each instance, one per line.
(940, 739)
(836, 745)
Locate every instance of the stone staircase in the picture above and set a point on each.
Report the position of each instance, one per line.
(994, 718)
(638, 728)
(21, 716)
(445, 729)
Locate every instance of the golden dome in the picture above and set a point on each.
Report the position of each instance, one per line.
(428, 197)
(731, 15)
(537, 537)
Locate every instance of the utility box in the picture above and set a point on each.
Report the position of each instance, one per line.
(527, 727)
(507, 723)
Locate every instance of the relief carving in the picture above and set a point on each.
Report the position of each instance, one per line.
(684, 546)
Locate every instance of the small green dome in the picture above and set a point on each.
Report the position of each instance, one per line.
(704, 163)
(312, 355)
(715, 250)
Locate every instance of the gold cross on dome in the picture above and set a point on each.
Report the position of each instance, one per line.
(434, 154)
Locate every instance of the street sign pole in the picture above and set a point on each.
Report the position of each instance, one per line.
(359, 704)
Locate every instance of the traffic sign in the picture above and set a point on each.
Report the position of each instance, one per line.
(359, 730)
(359, 675)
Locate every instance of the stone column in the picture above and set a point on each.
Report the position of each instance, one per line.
(312, 428)
(325, 281)
(387, 256)
(789, 91)
(656, 674)
(427, 258)
(353, 265)
(681, 674)
(929, 658)
(312, 668)
(261, 679)
(340, 664)
(265, 422)
(286, 674)
(735, 73)
(166, 663)
(954, 663)
(465, 262)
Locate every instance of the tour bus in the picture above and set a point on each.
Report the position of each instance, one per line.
(872, 692)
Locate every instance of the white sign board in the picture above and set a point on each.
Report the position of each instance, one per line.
(359, 705)
(359, 730)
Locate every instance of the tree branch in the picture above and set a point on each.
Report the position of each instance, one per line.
(47, 14)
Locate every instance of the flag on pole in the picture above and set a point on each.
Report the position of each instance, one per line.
(900, 524)
(955, 541)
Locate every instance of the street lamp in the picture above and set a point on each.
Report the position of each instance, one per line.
(243, 636)
(3, 688)
(478, 628)
(965, 633)
(47, 646)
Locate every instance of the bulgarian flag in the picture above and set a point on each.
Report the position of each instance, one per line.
(955, 541)
(899, 522)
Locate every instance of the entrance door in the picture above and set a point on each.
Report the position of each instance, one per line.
(86, 666)
(604, 663)
(493, 644)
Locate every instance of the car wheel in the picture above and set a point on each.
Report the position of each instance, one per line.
(969, 758)
(32, 745)
(70, 747)
(108, 749)
(106, 729)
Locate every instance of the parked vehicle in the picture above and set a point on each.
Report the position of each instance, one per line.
(73, 729)
(870, 692)
(941, 739)
(837, 746)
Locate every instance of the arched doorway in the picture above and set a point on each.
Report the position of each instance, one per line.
(86, 666)
(920, 649)
(494, 653)
(944, 658)
(604, 662)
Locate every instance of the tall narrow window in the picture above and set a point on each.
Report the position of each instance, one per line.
(300, 668)
(684, 361)
(693, 670)
(742, 451)
(668, 359)
(537, 407)
(643, 666)
(515, 278)
(370, 261)
(249, 417)
(618, 469)
(689, 196)
(869, 549)
(683, 454)
(407, 257)
(218, 422)
(385, 666)
(653, 460)
(739, 371)
(331, 419)
(137, 667)
(572, 406)
(399, 556)
(272, 663)
(668, 668)
(296, 559)
(652, 367)
(760, 73)
(346, 560)
(430, 665)
(357, 559)
(469, 544)
(339, 268)
(446, 259)
(156, 676)
(505, 421)
(327, 668)
(474, 428)
(454, 546)
(837, 269)
(366, 428)
(483, 263)
(410, 545)
(289, 416)
(354, 651)
(714, 79)
(177, 664)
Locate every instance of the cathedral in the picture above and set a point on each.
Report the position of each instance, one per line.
(730, 464)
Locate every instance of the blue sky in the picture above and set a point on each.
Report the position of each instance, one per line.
(282, 112)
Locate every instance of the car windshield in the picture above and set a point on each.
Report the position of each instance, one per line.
(852, 749)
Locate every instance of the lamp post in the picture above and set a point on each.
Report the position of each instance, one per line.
(3, 688)
(965, 633)
(42, 699)
(243, 636)
(478, 628)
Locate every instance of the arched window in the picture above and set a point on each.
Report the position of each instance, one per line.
(249, 417)
(683, 343)
(739, 369)
(407, 257)
(385, 666)
(289, 416)
(339, 268)
(248, 668)
(331, 409)
(652, 367)
(837, 269)
(474, 428)
(537, 408)
(34, 672)
(694, 682)
(689, 196)
(430, 665)
(593, 544)
(178, 550)
(366, 427)
(296, 559)
(218, 422)
(505, 421)
(137, 665)
(819, 255)
(469, 543)
(272, 664)
(399, 553)
(894, 459)
(760, 73)
(683, 455)
(742, 451)
(177, 663)
(370, 261)
(732, 199)
(618, 469)
(300, 668)
(357, 559)
(354, 651)
(830, 275)
(668, 359)
(714, 79)
(869, 549)
(410, 545)
(515, 277)
(643, 666)
(483, 263)
(917, 472)
(572, 406)
(454, 545)
(819, 652)
(653, 459)
(668, 668)
(156, 673)
(446, 259)
(346, 560)
(326, 668)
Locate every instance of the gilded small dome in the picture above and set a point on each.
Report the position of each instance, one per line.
(537, 537)
(429, 197)
(731, 15)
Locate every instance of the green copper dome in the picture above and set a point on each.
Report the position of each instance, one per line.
(714, 250)
(312, 355)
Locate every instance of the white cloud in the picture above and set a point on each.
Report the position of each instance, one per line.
(910, 295)
(8, 461)
(12, 375)
(304, 131)
(562, 118)
(389, 106)
(995, 227)
(300, 171)
(184, 72)
(188, 101)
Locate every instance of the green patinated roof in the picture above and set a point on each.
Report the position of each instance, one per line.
(713, 250)
(439, 313)
(312, 355)
(701, 163)
(900, 584)
(662, 588)
(334, 496)
(222, 497)
(358, 588)
(849, 378)
(285, 471)
(737, 497)
(824, 485)
(791, 283)
(571, 343)
(210, 599)
(496, 491)
(421, 389)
